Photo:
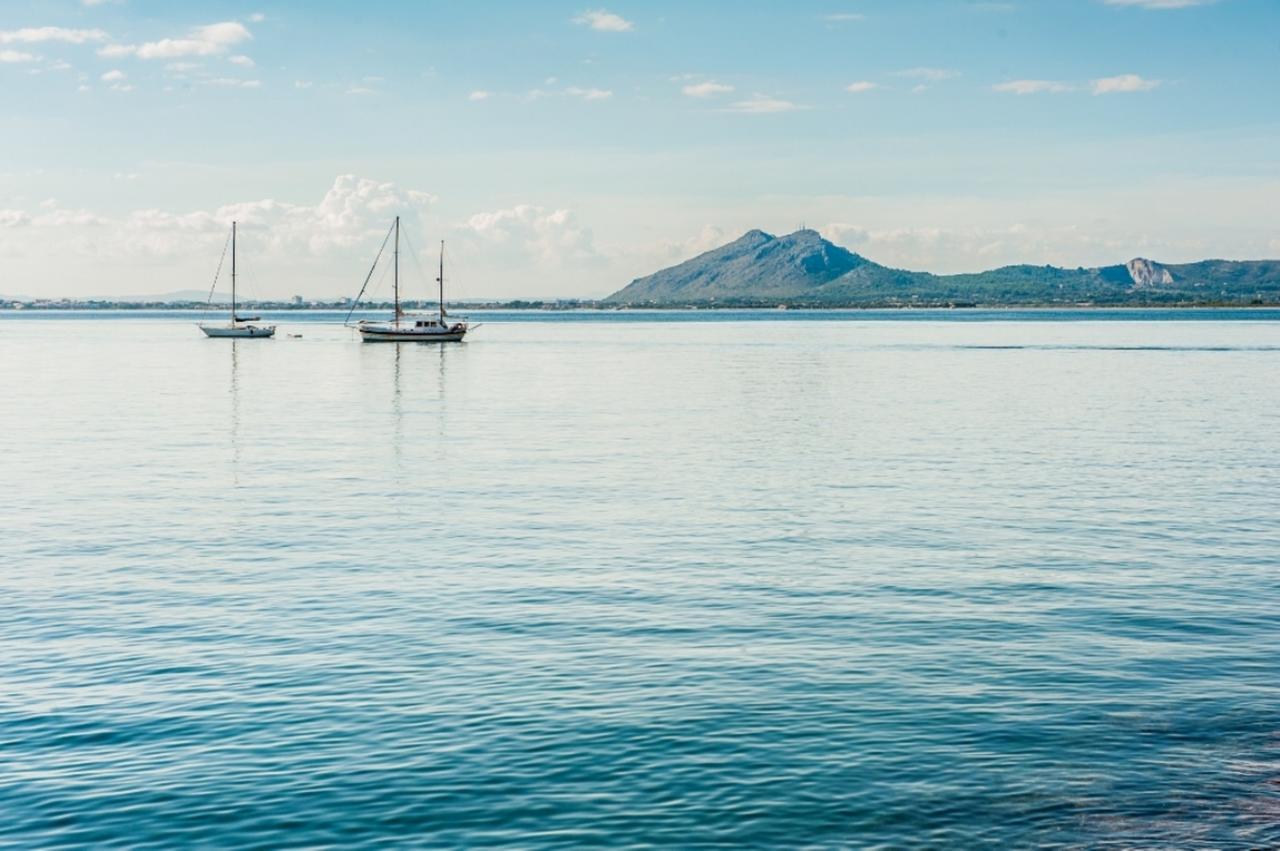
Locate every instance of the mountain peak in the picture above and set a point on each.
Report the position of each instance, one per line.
(755, 264)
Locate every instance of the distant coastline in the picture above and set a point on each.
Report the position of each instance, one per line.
(8, 305)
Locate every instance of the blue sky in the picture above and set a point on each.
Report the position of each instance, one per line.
(564, 148)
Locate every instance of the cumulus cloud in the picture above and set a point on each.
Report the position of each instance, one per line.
(762, 104)
(860, 86)
(706, 89)
(604, 21)
(34, 35)
(1123, 83)
(354, 212)
(1031, 87)
(526, 232)
(208, 40)
(589, 93)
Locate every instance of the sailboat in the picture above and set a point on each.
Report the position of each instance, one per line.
(406, 327)
(238, 326)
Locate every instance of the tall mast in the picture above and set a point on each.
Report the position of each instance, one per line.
(440, 280)
(233, 272)
(397, 263)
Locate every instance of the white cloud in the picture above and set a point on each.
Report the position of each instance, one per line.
(360, 90)
(113, 76)
(353, 214)
(604, 21)
(1031, 87)
(588, 94)
(231, 82)
(860, 86)
(838, 17)
(241, 60)
(33, 35)
(931, 74)
(208, 40)
(761, 103)
(60, 65)
(302, 84)
(479, 94)
(526, 232)
(17, 56)
(1159, 4)
(116, 51)
(257, 17)
(706, 89)
(1123, 83)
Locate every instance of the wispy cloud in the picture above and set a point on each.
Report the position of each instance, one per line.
(208, 40)
(588, 94)
(17, 56)
(861, 86)
(604, 21)
(762, 104)
(840, 17)
(1159, 4)
(479, 94)
(257, 18)
(1032, 87)
(1123, 83)
(232, 82)
(113, 76)
(706, 89)
(34, 35)
(241, 60)
(932, 74)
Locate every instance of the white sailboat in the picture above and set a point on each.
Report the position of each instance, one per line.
(407, 327)
(238, 326)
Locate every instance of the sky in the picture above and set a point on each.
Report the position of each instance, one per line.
(563, 149)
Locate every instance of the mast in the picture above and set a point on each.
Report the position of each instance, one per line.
(397, 264)
(440, 281)
(233, 272)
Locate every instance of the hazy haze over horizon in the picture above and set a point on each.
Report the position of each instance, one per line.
(565, 149)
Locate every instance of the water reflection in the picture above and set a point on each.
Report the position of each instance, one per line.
(235, 412)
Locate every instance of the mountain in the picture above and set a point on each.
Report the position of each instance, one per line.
(803, 268)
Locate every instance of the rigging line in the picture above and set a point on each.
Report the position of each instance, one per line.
(209, 302)
(413, 252)
(368, 276)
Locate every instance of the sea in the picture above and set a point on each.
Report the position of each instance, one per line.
(606, 579)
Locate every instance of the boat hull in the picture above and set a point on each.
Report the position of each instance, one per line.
(372, 335)
(238, 331)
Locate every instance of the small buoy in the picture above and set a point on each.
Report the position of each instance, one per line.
(296, 336)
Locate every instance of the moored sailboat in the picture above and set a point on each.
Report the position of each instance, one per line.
(238, 326)
(406, 327)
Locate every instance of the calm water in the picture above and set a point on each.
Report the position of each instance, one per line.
(817, 581)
